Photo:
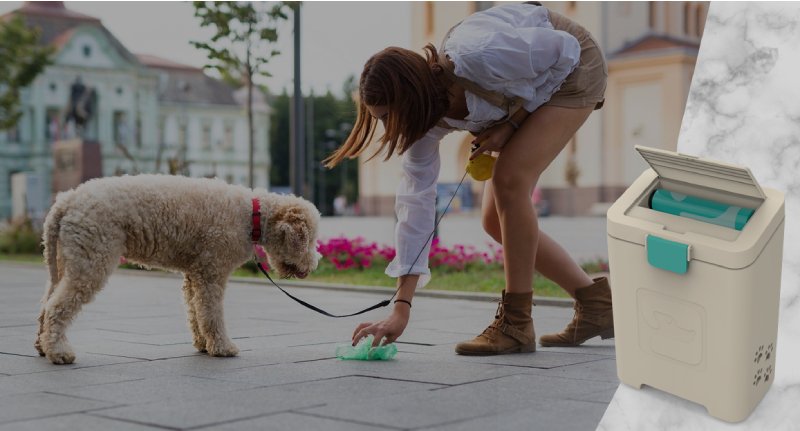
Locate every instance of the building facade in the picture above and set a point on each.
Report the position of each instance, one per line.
(651, 49)
(147, 114)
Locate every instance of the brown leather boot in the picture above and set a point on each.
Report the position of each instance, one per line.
(593, 317)
(511, 331)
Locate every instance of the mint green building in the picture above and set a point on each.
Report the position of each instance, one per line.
(146, 112)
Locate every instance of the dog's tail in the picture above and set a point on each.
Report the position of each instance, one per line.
(51, 229)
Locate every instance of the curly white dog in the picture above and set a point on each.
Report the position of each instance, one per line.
(203, 228)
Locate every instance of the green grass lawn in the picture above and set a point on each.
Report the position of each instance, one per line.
(486, 279)
(31, 258)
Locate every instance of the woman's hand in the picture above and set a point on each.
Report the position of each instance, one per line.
(492, 139)
(391, 327)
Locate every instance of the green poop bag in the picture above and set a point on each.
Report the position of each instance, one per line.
(363, 351)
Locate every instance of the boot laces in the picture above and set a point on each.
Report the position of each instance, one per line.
(499, 310)
(493, 327)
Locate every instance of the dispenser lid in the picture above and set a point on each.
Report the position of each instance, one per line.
(694, 170)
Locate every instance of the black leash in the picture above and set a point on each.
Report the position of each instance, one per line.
(319, 310)
(382, 303)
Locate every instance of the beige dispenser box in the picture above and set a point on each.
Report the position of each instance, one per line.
(696, 304)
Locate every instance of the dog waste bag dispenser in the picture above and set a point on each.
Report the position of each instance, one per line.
(695, 250)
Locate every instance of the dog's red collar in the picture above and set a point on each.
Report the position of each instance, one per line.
(255, 234)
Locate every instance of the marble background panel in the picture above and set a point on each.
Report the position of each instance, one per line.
(743, 108)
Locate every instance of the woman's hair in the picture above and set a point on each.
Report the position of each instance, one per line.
(413, 88)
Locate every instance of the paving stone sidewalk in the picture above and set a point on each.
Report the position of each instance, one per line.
(137, 370)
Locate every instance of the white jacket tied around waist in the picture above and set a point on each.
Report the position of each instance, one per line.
(511, 49)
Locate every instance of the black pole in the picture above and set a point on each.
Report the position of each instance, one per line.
(297, 150)
(309, 167)
(250, 137)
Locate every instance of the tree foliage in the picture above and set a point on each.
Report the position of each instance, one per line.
(331, 120)
(242, 45)
(244, 35)
(22, 59)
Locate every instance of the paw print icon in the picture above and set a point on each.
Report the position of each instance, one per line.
(759, 354)
(758, 376)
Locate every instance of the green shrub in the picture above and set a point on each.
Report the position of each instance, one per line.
(20, 238)
(250, 266)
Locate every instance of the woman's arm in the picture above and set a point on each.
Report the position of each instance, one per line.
(393, 326)
(415, 207)
(406, 286)
(416, 213)
(495, 138)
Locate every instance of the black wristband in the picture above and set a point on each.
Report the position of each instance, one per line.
(403, 300)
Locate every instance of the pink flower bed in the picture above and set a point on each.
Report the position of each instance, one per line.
(460, 257)
(345, 253)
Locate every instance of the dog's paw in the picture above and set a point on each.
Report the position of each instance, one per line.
(223, 349)
(200, 345)
(38, 346)
(61, 357)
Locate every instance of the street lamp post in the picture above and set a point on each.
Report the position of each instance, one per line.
(297, 152)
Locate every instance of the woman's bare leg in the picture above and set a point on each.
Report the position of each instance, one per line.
(530, 150)
(525, 156)
(552, 261)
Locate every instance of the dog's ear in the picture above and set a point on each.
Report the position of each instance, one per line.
(292, 228)
(294, 235)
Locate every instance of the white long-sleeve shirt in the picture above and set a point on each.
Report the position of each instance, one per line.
(512, 49)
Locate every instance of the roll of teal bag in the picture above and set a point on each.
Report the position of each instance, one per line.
(700, 209)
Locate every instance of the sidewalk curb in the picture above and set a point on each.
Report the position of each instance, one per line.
(387, 291)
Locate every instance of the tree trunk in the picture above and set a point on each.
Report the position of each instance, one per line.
(250, 137)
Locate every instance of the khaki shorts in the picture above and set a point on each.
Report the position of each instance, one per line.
(586, 85)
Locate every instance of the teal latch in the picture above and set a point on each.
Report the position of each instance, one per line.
(668, 255)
